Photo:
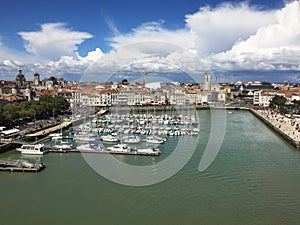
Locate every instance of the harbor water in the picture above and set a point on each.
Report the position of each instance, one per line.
(254, 179)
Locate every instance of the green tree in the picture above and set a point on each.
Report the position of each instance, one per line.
(11, 112)
(278, 101)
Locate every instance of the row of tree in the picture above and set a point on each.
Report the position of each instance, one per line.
(280, 103)
(14, 113)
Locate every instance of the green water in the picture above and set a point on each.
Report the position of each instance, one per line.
(255, 179)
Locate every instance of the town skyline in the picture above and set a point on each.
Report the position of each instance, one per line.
(186, 38)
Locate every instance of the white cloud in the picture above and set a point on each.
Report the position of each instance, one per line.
(216, 30)
(273, 47)
(53, 41)
(154, 31)
(226, 38)
(208, 31)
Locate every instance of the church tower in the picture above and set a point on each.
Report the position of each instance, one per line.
(20, 80)
(36, 79)
(206, 84)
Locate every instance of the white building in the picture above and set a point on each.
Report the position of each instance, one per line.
(263, 98)
(177, 97)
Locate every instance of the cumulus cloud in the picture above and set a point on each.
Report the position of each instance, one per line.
(154, 31)
(53, 41)
(229, 38)
(273, 47)
(209, 31)
(217, 29)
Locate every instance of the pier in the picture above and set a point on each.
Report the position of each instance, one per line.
(20, 166)
(56, 150)
(284, 129)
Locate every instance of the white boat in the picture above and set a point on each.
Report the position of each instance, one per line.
(195, 131)
(38, 149)
(62, 146)
(109, 138)
(131, 140)
(150, 151)
(119, 148)
(154, 140)
(90, 147)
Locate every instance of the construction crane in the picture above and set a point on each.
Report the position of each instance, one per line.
(145, 73)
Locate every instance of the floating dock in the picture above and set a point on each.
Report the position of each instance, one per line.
(55, 150)
(20, 166)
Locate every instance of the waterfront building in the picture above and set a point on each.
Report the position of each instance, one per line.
(212, 96)
(177, 97)
(262, 98)
(137, 97)
(201, 98)
(105, 97)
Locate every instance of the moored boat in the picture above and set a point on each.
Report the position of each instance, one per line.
(119, 148)
(131, 140)
(109, 138)
(155, 140)
(28, 149)
(90, 147)
(148, 151)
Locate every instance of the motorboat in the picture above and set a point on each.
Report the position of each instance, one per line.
(109, 138)
(150, 151)
(131, 140)
(28, 149)
(119, 148)
(90, 147)
(154, 140)
(62, 146)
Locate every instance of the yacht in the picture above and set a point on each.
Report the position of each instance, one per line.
(62, 146)
(150, 151)
(38, 149)
(90, 147)
(131, 140)
(154, 140)
(119, 148)
(109, 138)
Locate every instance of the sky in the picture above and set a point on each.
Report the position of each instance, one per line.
(102, 40)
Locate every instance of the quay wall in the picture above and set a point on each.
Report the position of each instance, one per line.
(4, 147)
(276, 129)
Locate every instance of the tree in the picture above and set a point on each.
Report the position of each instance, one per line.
(11, 112)
(278, 100)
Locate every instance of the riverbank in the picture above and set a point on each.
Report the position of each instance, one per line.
(288, 128)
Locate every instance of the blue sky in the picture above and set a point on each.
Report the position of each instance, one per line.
(91, 40)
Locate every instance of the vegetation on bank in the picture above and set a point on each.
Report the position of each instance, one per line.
(280, 103)
(16, 113)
